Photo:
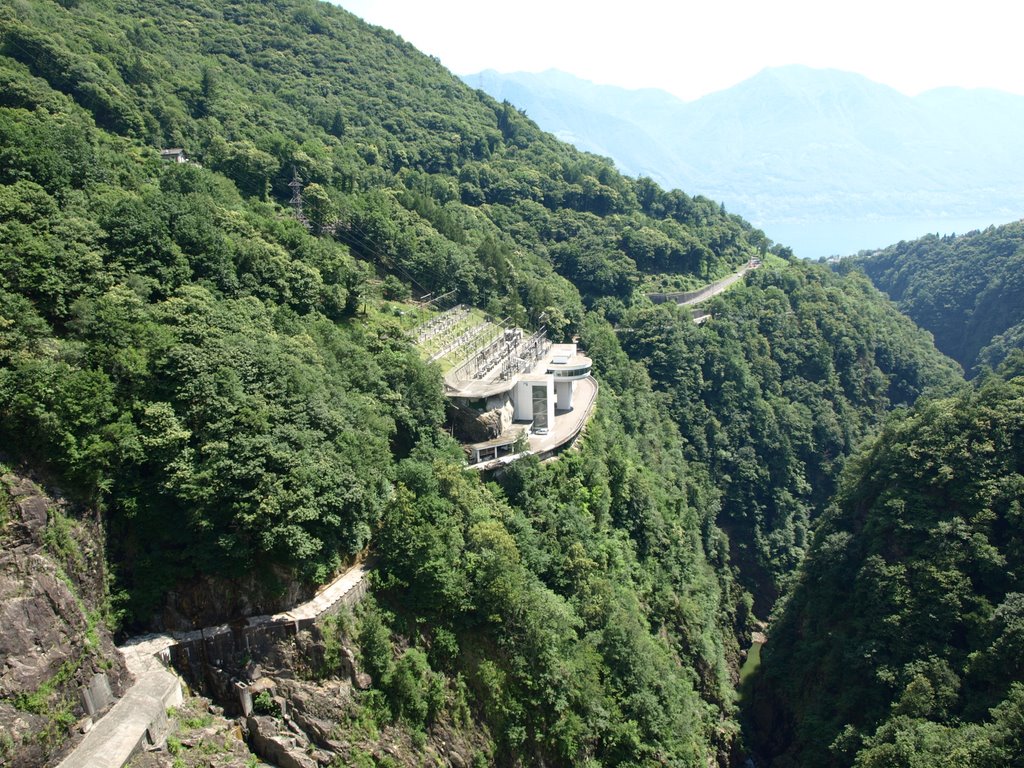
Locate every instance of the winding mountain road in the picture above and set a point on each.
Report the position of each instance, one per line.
(717, 287)
(690, 298)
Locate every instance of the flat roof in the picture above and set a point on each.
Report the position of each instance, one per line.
(492, 383)
(564, 356)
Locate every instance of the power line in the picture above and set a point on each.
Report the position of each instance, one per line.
(385, 260)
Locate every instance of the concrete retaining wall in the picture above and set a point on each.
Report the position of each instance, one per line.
(681, 298)
(137, 720)
(201, 656)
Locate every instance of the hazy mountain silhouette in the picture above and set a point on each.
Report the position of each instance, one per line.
(824, 160)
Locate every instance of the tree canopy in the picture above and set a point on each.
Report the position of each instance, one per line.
(233, 388)
(771, 395)
(900, 644)
(968, 290)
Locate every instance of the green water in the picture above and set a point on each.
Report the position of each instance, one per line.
(752, 662)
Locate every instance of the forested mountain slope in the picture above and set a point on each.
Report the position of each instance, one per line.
(774, 392)
(233, 394)
(967, 290)
(901, 644)
(256, 95)
(196, 308)
(228, 388)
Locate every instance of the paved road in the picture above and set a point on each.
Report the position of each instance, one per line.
(716, 288)
(701, 294)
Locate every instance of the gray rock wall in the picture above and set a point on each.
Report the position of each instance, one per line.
(58, 664)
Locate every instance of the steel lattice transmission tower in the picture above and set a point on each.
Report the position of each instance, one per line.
(296, 202)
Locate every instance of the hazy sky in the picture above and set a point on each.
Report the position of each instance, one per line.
(690, 48)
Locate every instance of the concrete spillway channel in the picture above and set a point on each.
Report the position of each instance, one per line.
(137, 720)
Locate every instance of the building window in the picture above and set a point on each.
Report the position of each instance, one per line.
(540, 408)
(569, 373)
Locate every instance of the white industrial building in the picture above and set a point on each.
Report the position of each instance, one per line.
(534, 398)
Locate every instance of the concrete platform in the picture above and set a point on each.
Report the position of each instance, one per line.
(567, 425)
(146, 653)
(327, 597)
(137, 720)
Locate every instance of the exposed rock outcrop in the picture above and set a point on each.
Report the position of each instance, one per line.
(58, 665)
(199, 737)
(299, 702)
(475, 426)
(209, 600)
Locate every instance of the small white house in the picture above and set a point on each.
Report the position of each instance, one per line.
(174, 155)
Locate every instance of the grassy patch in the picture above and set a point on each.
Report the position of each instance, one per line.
(38, 702)
(57, 709)
(6, 745)
(442, 341)
(174, 746)
(202, 720)
(263, 704)
(773, 261)
(60, 541)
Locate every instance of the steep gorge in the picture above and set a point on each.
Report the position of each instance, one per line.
(234, 385)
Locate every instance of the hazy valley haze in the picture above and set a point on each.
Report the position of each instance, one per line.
(825, 161)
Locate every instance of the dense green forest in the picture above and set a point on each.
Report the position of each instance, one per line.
(901, 643)
(968, 290)
(227, 387)
(194, 307)
(233, 393)
(773, 394)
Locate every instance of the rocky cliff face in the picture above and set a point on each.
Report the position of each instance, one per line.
(310, 706)
(207, 600)
(58, 663)
(305, 704)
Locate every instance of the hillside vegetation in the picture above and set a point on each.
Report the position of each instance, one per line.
(226, 385)
(189, 307)
(774, 393)
(901, 644)
(967, 290)
(231, 392)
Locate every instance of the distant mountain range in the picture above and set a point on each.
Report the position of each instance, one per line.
(826, 161)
